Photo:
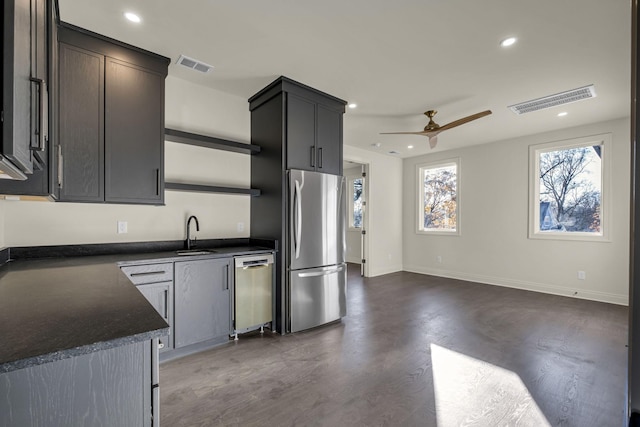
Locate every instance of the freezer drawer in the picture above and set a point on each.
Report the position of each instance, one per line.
(317, 296)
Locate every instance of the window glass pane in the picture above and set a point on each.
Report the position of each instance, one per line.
(570, 191)
(357, 203)
(440, 209)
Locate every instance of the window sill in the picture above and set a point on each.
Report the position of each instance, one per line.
(579, 237)
(438, 232)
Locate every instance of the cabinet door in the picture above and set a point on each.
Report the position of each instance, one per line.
(16, 95)
(301, 131)
(160, 295)
(329, 141)
(81, 117)
(134, 134)
(202, 301)
(105, 388)
(39, 89)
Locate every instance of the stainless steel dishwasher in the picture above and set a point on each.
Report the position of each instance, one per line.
(253, 293)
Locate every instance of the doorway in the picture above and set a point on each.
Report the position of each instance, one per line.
(356, 175)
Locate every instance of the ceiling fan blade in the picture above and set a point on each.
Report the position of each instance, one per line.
(464, 120)
(405, 133)
(433, 141)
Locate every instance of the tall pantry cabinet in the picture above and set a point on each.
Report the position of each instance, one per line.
(296, 127)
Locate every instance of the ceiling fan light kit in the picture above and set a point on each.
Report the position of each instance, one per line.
(555, 100)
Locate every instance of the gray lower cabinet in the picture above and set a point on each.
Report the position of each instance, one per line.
(112, 387)
(202, 301)
(160, 295)
(155, 282)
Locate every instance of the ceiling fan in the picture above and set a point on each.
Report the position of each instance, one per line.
(432, 129)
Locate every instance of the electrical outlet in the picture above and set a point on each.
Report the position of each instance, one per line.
(439, 259)
(582, 275)
(240, 227)
(122, 227)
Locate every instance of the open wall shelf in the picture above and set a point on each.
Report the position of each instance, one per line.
(177, 186)
(209, 142)
(214, 143)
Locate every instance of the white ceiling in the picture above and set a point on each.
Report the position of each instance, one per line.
(396, 59)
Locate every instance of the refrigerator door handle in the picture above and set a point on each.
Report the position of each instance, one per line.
(321, 273)
(298, 218)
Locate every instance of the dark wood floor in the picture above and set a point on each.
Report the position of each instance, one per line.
(416, 350)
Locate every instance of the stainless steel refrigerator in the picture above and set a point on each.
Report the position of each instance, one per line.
(317, 273)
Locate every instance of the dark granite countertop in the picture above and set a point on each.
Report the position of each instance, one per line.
(55, 308)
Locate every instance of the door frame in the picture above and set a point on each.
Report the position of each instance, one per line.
(366, 221)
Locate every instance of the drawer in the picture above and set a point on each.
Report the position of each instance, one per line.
(149, 273)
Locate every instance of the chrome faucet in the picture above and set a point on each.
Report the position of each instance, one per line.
(189, 232)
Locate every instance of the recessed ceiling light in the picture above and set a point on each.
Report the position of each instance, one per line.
(353, 105)
(409, 147)
(132, 17)
(376, 144)
(564, 113)
(508, 41)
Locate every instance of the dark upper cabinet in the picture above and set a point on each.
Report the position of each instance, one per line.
(301, 131)
(111, 120)
(42, 181)
(329, 140)
(81, 121)
(314, 136)
(134, 123)
(24, 82)
(311, 125)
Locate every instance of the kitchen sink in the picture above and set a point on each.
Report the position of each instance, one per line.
(193, 252)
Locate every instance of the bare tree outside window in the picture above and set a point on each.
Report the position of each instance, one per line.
(571, 189)
(439, 198)
(357, 203)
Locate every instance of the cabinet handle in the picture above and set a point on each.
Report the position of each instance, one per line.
(166, 304)
(313, 157)
(226, 280)
(147, 273)
(157, 182)
(320, 157)
(60, 166)
(42, 135)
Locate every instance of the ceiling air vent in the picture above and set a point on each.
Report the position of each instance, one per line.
(194, 64)
(562, 98)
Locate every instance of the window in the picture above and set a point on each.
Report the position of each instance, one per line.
(569, 189)
(356, 199)
(438, 206)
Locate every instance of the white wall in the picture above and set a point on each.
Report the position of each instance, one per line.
(383, 249)
(493, 246)
(354, 250)
(190, 108)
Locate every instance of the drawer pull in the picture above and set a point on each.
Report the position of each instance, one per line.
(148, 273)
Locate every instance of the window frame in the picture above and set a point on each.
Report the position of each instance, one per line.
(419, 223)
(604, 140)
(350, 181)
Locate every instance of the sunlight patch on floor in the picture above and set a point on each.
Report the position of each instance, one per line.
(471, 392)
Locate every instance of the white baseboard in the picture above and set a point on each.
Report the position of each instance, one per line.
(382, 271)
(525, 285)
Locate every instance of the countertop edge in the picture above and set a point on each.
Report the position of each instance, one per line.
(81, 350)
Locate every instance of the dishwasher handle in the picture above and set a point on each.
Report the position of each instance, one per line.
(254, 261)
